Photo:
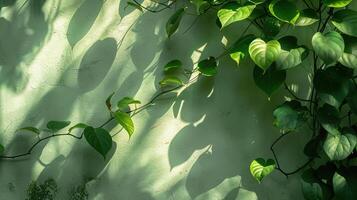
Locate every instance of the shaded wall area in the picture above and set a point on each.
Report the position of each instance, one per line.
(60, 59)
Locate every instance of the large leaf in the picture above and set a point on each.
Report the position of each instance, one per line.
(329, 118)
(346, 21)
(332, 84)
(260, 168)
(234, 12)
(307, 17)
(339, 147)
(174, 21)
(83, 20)
(208, 67)
(284, 10)
(125, 121)
(289, 116)
(349, 56)
(313, 188)
(336, 3)
(57, 125)
(240, 48)
(264, 54)
(270, 80)
(329, 47)
(345, 185)
(99, 139)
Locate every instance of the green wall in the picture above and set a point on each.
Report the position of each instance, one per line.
(196, 146)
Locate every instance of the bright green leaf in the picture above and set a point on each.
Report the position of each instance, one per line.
(345, 20)
(337, 3)
(234, 12)
(264, 54)
(329, 46)
(124, 119)
(270, 80)
(174, 21)
(99, 139)
(125, 102)
(260, 168)
(339, 147)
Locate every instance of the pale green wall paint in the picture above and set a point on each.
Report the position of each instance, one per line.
(196, 147)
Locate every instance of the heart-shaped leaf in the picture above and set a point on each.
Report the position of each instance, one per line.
(329, 47)
(270, 80)
(99, 139)
(285, 11)
(271, 27)
(264, 54)
(125, 121)
(260, 168)
(208, 67)
(240, 49)
(345, 20)
(57, 125)
(349, 56)
(313, 188)
(339, 147)
(234, 12)
(336, 3)
(174, 21)
(289, 116)
(329, 118)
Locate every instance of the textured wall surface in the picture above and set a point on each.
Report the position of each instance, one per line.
(196, 146)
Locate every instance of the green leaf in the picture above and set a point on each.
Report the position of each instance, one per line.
(345, 185)
(126, 101)
(329, 46)
(234, 12)
(174, 21)
(285, 11)
(240, 49)
(259, 168)
(83, 20)
(332, 84)
(257, 2)
(171, 81)
(208, 67)
(2, 149)
(124, 119)
(346, 21)
(264, 54)
(349, 56)
(290, 59)
(307, 17)
(270, 80)
(172, 65)
(57, 125)
(336, 3)
(329, 117)
(77, 126)
(271, 27)
(339, 147)
(31, 129)
(99, 139)
(313, 188)
(289, 116)
(108, 101)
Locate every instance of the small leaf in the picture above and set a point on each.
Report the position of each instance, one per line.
(329, 118)
(171, 81)
(77, 126)
(126, 101)
(339, 147)
(285, 11)
(108, 101)
(260, 168)
(240, 49)
(264, 54)
(125, 121)
(329, 46)
(31, 129)
(337, 3)
(174, 21)
(345, 20)
(208, 67)
(57, 125)
(99, 139)
(270, 80)
(172, 65)
(234, 12)
(289, 116)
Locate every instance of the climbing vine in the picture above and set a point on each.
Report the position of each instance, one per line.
(327, 116)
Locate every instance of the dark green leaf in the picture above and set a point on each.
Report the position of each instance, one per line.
(307, 17)
(313, 188)
(57, 125)
(99, 139)
(77, 126)
(289, 116)
(108, 101)
(345, 20)
(345, 184)
(208, 67)
(349, 56)
(270, 80)
(285, 11)
(329, 118)
(271, 27)
(174, 21)
(173, 65)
